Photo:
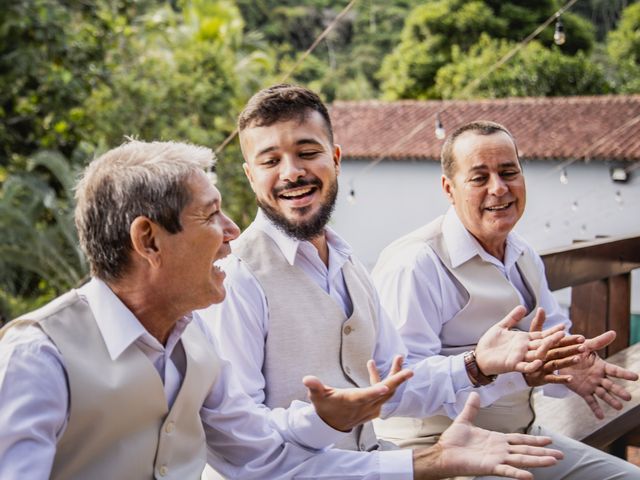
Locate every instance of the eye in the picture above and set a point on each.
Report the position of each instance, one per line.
(478, 179)
(309, 154)
(270, 161)
(510, 173)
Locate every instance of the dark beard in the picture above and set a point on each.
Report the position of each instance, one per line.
(308, 229)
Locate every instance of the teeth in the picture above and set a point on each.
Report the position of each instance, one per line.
(297, 192)
(494, 208)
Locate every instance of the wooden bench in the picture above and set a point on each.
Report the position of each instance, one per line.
(572, 417)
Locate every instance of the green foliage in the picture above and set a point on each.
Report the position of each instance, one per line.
(442, 32)
(39, 253)
(534, 71)
(623, 46)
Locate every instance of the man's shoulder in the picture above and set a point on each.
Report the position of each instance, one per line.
(50, 309)
(410, 251)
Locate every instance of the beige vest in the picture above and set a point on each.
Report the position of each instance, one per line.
(490, 298)
(119, 423)
(309, 333)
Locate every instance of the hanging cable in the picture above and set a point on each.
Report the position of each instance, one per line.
(302, 58)
(517, 48)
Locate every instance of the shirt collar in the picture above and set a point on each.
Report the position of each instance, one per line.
(117, 324)
(463, 246)
(289, 246)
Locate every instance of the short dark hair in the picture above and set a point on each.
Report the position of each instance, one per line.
(280, 103)
(480, 127)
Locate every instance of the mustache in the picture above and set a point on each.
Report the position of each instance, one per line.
(301, 182)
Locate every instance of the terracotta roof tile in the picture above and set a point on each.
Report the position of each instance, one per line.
(597, 127)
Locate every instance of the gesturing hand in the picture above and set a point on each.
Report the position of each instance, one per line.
(565, 354)
(591, 376)
(502, 350)
(346, 408)
(464, 449)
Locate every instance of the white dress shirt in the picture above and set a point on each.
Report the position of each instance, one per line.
(241, 324)
(34, 402)
(420, 296)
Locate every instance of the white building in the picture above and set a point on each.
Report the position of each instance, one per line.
(568, 147)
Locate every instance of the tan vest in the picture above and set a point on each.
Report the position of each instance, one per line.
(490, 298)
(119, 423)
(309, 333)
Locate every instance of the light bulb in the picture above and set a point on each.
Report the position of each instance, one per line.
(564, 179)
(618, 197)
(352, 196)
(440, 132)
(559, 36)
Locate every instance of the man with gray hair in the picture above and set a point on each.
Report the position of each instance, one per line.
(119, 378)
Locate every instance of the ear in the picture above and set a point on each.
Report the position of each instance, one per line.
(144, 238)
(447, 188)
(248, 174)
(337, 157)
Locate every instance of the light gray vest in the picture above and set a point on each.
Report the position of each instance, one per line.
(309, 333)
(490, 298)
(119, 423)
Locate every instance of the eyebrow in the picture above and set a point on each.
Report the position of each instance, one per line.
(484, 167)
(302, 141)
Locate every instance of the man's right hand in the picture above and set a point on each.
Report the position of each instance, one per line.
(466, 450)
(502, 350)
(346, 408)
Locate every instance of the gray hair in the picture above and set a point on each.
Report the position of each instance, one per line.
(132, 180)
(479, 127)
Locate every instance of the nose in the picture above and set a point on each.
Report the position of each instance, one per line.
(497, 186)
(291, 169)
(230, 229)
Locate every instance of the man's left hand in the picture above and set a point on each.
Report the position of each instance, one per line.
(591, 376)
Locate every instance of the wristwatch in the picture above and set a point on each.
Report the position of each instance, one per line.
(477, 378)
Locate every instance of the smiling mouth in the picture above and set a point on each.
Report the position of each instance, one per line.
(500, 207)
(297, 193)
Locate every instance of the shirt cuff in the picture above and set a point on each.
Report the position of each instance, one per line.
(396, 464)
(310, 429)
(555, 390)
(461, 380)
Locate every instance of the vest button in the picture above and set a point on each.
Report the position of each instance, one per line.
(362, 447)
(347, 369)
(163, 470)
(170, 427)
(347, 330)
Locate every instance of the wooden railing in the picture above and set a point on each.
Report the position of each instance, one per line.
(599, 273)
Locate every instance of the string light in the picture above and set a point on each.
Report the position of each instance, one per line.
(352, 196)
(440, 132)
(618, 197)
(564, 179)
(559, 37)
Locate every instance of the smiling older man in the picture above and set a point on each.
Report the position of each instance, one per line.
(447, 283)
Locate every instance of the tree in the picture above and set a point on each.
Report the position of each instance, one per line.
(437, 29)
(534, 71)
(623, 46)
(39, 252)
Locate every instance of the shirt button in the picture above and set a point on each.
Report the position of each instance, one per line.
(348, 330)
(163, 470)
(347, 369)
(170, 427)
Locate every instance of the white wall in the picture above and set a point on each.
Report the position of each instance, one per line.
(396, 197)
